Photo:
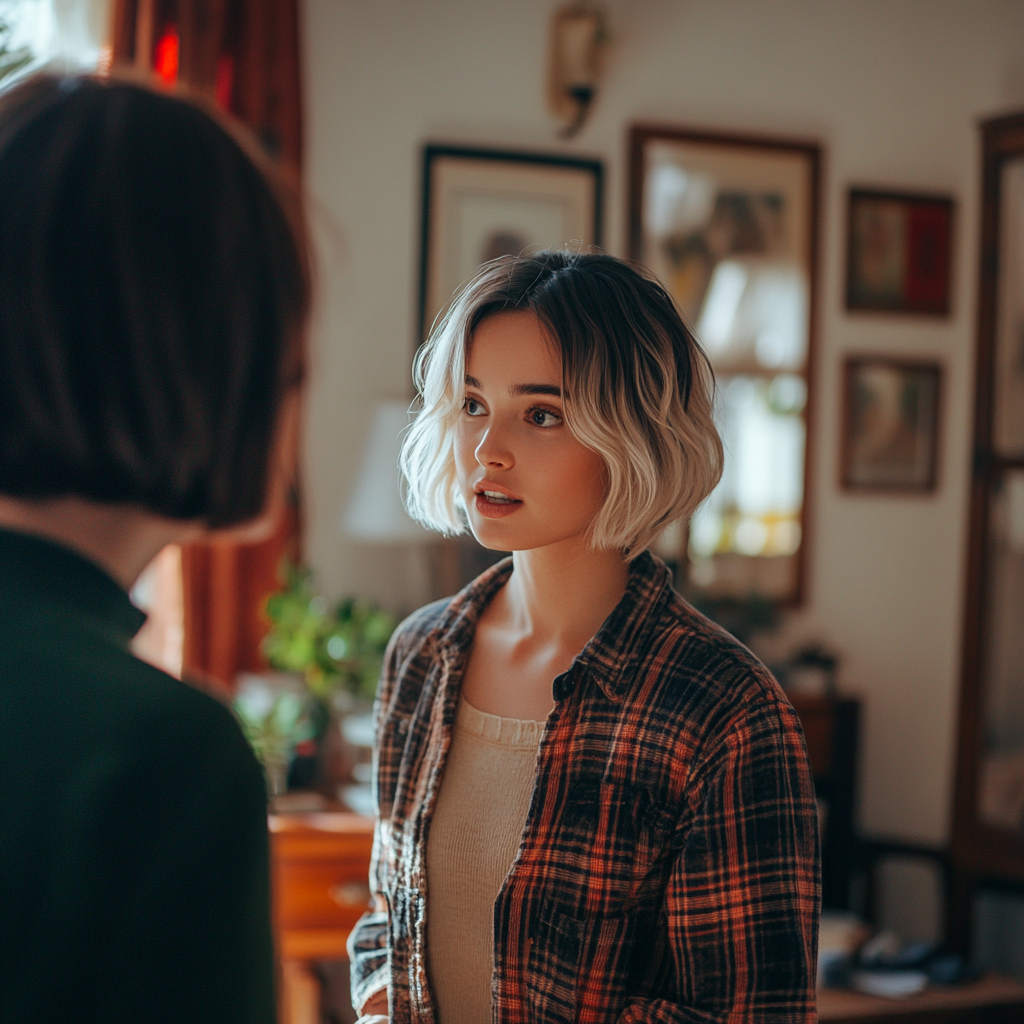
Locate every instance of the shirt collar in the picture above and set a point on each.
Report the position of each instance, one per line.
(34, 569)
(612, 654)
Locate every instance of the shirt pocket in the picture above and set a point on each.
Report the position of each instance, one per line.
(570, 956)
(552, 966)
(619, 835)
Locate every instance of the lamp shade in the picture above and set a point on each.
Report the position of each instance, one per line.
(375, 511)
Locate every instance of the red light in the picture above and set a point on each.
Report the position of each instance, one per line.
(165, 56)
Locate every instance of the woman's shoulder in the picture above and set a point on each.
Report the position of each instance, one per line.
(416, 629)
(699, 674)
(410, 653)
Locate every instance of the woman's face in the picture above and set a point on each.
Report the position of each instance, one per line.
(526, 481)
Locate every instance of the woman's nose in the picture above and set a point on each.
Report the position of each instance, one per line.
(493, 449)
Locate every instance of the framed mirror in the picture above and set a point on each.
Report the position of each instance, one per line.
(728, 224)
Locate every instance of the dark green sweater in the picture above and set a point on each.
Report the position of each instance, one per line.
(134, 880)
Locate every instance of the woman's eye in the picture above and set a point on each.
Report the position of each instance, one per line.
(544, 418)
(473, 407)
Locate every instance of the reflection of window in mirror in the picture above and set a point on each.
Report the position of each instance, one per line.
(158, 592)
(727, 225)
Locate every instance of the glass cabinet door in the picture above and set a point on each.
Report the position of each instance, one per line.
(1008, 425)
(1000, 798)
(987, 841)
(1000, 795)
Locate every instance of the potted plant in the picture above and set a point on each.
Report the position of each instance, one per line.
(329, 657)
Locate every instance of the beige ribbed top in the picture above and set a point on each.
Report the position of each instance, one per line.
(474, 837)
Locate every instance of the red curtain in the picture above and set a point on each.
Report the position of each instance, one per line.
(244, 54)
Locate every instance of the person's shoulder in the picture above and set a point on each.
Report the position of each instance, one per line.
(97, 720)
(417, 628)
(167, 716)
(701, 675)
(410, 653)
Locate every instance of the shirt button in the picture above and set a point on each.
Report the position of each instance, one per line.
(563, 685)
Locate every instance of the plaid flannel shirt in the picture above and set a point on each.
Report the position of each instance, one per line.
(668, 869)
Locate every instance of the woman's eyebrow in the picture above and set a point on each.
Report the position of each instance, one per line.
(516, 390)
(535, 389)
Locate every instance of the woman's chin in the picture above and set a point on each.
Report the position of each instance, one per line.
(494, 539)
(503, 535)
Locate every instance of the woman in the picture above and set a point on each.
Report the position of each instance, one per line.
(594, 804)
(153, 291)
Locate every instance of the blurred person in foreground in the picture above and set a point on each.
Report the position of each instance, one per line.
(153, 294)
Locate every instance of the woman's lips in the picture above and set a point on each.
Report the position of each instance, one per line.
(495, 506)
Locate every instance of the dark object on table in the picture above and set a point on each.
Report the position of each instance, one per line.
(886, 966)
(814, 659)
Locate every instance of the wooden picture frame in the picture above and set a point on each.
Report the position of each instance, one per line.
(735, 217)
(898, 252)
(890, 435)
(479, 204)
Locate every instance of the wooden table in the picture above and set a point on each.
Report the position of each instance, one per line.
(990, 1000)
(320, 864)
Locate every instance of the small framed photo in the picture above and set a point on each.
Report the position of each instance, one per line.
(890, 424)
(479, 204)
(898, 252)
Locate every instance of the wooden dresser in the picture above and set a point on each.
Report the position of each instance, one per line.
(320, 865)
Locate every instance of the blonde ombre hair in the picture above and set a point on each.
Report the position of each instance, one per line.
(636, 386)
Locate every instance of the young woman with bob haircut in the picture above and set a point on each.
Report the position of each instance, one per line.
(594, 804)
(153, 296)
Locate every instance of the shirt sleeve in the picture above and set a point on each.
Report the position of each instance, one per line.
(741, 909)
(368, 940)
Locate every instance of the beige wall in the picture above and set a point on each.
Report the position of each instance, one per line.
(893, 90)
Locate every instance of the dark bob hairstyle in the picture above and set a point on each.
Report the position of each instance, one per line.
(154, 288)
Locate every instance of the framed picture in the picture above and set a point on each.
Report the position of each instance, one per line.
(728, 224)
(479, 204)
(898, 252)
(890, 424)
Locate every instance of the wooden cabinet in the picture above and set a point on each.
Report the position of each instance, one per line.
(320, 865)
(988, 817)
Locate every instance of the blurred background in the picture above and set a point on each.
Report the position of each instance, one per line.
(833, 193)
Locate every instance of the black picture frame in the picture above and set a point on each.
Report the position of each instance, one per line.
(496, 172)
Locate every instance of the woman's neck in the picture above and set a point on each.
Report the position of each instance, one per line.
(564, 592)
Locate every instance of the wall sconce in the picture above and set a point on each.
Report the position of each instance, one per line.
(577, 38)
